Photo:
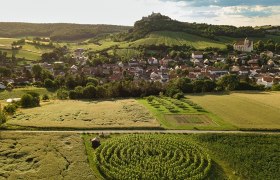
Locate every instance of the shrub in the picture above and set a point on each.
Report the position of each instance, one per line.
(10, 109)
(73, 94)
(150, 98)
(27, 101)
(62, 93)
(48, 83)
(89, 92)
(178, 96)
(275, 87)
(45, 97)
(3, 117)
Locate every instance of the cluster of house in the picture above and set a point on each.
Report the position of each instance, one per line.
(153, 69)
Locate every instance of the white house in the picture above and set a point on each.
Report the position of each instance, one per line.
(267, 81)
(152, 61)
(244, 46)
(197, 55)
(2, 86)
(267, 53)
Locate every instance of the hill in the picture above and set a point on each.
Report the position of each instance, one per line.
(57, 32)
(158, 22)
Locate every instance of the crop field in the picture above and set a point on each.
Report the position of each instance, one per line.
(195, 156)
(85, 114)
(245, 110)
(183, 114)
(43, 156)
(151, 156)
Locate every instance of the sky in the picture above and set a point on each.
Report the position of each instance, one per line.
(126, 12)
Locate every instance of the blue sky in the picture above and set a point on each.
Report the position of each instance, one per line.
(126, 12)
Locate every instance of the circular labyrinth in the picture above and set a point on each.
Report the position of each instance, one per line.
(151, 157)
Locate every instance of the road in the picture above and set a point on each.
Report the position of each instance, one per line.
(141, 131)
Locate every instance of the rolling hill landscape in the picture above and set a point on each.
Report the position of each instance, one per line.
(162, 99)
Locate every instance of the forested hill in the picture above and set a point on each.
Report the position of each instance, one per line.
(57, 32)
(158, 22)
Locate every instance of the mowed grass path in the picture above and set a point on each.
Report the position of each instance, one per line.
(85, 115)
(259, 110)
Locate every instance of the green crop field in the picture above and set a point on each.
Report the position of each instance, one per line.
(43, 156)
(246, 110)
(197, 156)
(85, 114)
(184, 114)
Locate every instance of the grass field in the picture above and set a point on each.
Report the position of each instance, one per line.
(28, 51)
(85, 114)
(43, 156)
(246, 110)
(18, 92)
(184, 114)
(233, 156)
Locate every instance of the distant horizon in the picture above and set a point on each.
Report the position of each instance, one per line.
(126, 12)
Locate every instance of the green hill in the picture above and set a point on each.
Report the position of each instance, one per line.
(57, 32)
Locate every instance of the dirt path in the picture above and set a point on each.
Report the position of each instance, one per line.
(143, 131)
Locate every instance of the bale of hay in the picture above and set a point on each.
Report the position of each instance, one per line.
(95, 142)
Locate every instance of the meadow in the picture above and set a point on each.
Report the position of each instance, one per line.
(18, 92)
(28, 52)
(245, 110)
(195, 156)
(43, 156)
(183, 114)
(85, 115)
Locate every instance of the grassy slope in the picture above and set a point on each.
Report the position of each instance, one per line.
(28, 51)
(244, 110)
(177, 38)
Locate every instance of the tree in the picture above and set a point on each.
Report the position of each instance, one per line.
(26, 101)
(70, 82)
(89, 92)
(260, 46)
(45, 97)
(48, 83)
(62, 93)
(229, 82)
(92, 80)
(37, 71)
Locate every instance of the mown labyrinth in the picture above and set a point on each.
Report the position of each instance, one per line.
(151, 157)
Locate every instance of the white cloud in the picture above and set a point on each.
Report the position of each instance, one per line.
(126, 12)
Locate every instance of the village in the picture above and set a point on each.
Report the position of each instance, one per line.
(262, 68)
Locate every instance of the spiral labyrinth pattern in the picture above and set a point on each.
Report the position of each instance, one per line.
(153, 156)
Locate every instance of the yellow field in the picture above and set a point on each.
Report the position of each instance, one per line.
(259, 110)
(85, 114)
(43, 156)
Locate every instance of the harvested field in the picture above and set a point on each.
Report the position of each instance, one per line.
(85, 114)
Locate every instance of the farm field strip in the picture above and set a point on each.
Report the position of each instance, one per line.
(245, 110)
(184, 114)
